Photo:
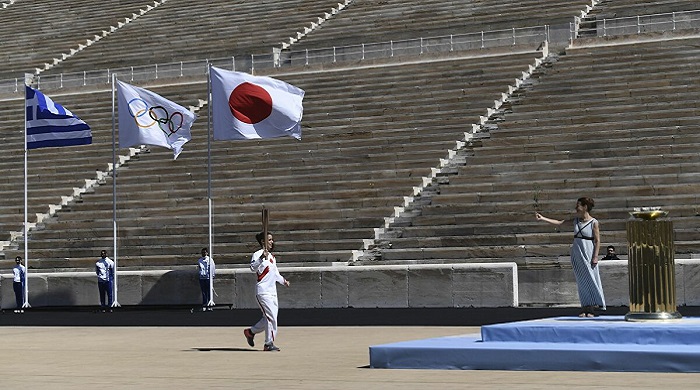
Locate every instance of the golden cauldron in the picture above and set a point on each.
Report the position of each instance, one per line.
(652, 282)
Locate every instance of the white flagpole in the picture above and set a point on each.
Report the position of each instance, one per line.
(209, 192)
(25, 303)
(115, 289)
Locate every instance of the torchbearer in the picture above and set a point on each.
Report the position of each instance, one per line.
(264, 264)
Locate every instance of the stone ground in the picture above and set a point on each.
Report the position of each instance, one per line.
(197, 357)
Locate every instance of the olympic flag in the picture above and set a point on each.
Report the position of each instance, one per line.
(251, 107)
(49, 124)
(146, 118)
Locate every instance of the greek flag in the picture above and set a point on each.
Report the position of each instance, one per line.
(49, 124)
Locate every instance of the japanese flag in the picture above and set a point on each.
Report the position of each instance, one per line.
(252, 107)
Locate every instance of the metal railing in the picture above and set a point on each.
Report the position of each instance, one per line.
(251, 63)
(632, 25)
(420, 46)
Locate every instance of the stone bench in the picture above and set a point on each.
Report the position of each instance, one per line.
(412, 286)
(398, 286)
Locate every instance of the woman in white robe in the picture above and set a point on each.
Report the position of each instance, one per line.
(584, 256)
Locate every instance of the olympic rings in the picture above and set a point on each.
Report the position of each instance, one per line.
(158, 114)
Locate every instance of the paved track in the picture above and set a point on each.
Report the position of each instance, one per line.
(218, 357)
(171, 348)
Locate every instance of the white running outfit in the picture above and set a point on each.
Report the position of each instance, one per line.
(266, 293)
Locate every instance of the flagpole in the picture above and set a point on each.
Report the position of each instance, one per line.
(25, 303)
(115, 289)
(209, 192)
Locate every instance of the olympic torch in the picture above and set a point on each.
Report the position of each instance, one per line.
(265, 221)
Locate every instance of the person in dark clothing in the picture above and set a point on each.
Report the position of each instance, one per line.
(611, 255)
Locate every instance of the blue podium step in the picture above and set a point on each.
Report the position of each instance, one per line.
(605, 330)
(556, 344)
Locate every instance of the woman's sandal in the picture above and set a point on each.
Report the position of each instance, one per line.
(587, 311)
(590, 311)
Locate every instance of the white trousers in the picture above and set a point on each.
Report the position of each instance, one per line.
(268, 323)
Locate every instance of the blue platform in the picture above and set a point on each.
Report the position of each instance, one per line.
(606, 343)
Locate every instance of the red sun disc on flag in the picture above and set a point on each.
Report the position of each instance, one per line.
(250, 103)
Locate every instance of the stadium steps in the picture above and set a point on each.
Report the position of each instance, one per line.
(543, 157)
(40, 32)
(197, 31)
(362, 176)
(627, 8)
(374, 21)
